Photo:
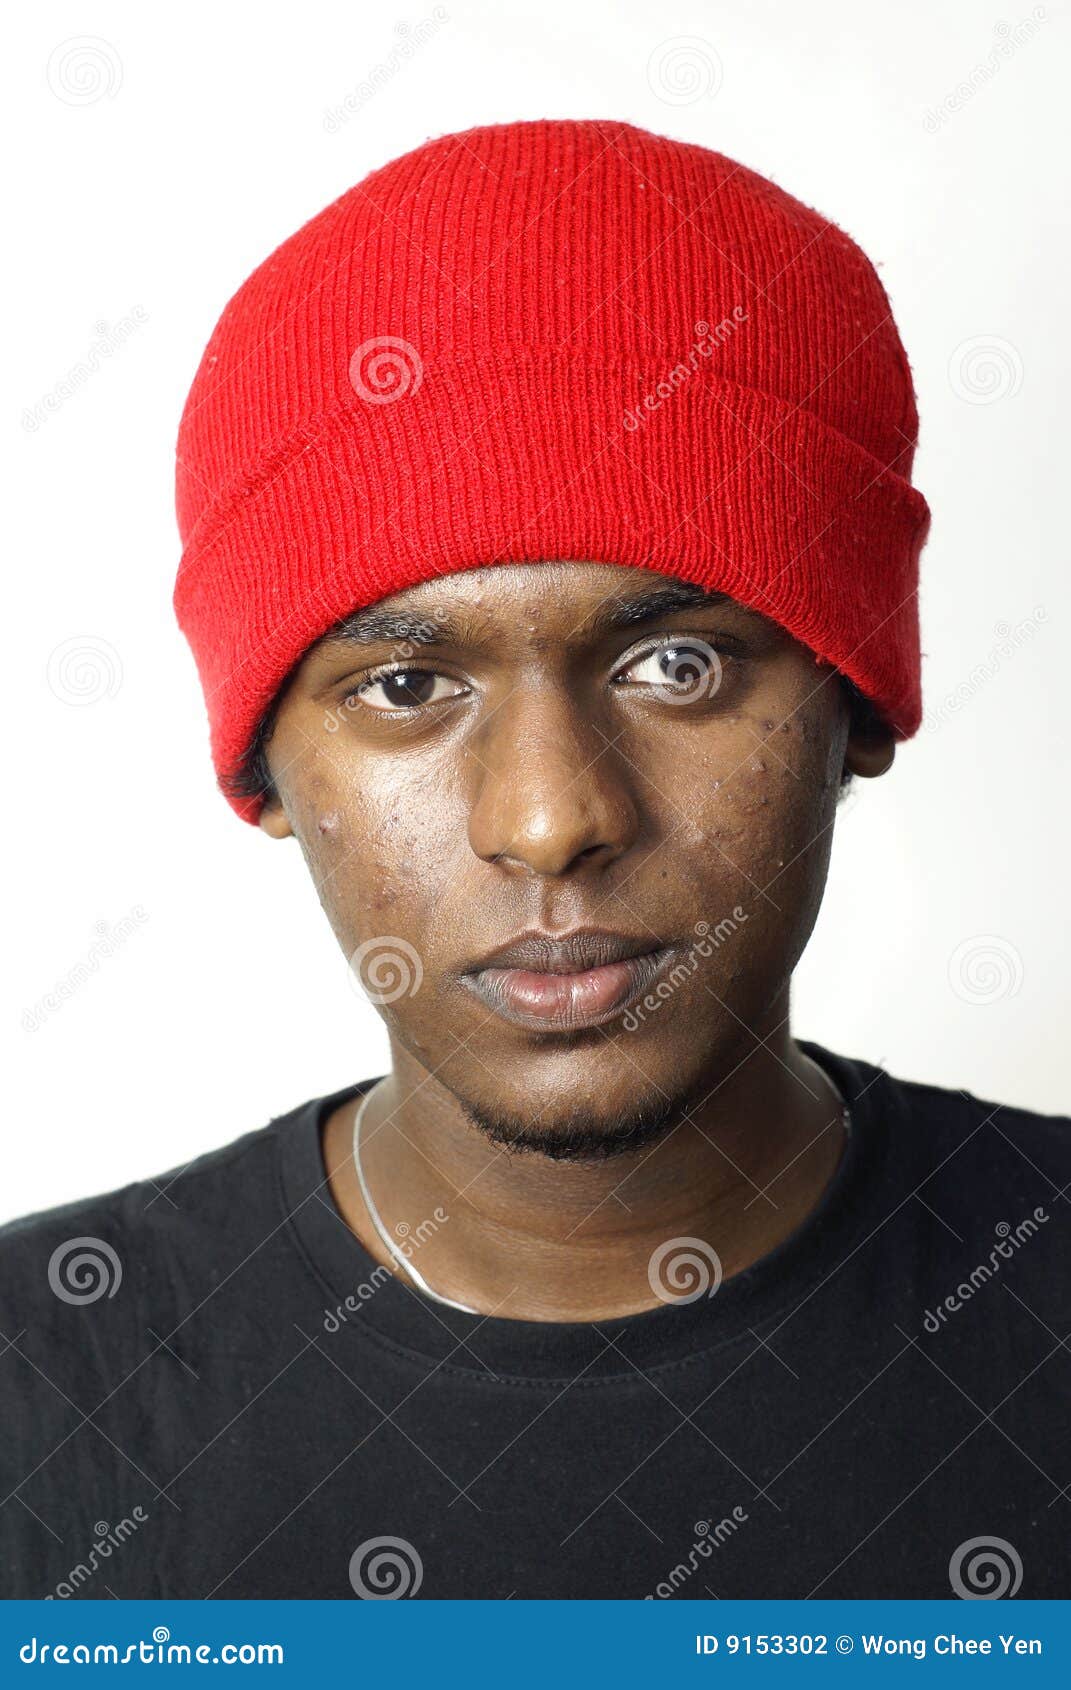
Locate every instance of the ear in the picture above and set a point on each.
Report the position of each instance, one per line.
(869, 751)
(274, 819)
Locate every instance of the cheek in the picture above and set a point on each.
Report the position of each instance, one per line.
(767, 796)
(763, 799)
(376, 870)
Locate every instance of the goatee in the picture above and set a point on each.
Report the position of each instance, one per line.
(580, 1135)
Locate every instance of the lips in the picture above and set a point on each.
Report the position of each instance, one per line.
(566, 981)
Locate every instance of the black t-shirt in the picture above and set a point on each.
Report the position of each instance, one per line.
(257, 1410)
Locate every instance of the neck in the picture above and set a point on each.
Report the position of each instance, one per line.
(537, 1239)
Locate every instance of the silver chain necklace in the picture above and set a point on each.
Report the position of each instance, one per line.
(845, 1112)
(399, 1257)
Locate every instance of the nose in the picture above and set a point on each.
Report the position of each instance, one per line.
(552, 791)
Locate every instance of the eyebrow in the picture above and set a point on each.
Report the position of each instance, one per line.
(645, 607)
(373, 624)
(365, 626)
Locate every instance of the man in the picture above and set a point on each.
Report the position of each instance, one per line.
(550, 562)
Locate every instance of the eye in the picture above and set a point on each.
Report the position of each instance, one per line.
(682, 668)
(404, 689)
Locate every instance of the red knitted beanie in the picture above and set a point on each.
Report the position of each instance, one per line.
(547, 342)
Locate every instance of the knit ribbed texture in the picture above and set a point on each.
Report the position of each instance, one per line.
(546, 342)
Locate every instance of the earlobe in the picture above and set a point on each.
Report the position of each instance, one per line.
(274, 820)
(869, 754)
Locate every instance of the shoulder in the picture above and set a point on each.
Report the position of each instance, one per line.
(80, 1251)
(981, 1169)
(945, 1119)
(108, 1308)
(996, 1134)
(945, 1145)
(81, 1283)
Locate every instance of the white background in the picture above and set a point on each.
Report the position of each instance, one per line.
(153, 169)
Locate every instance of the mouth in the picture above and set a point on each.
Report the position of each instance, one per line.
(565, 984)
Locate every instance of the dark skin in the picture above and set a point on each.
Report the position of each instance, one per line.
(545, 771)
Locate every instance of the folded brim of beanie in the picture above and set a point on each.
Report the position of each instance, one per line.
(457, 466)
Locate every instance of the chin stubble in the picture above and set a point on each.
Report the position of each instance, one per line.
(580, 1135)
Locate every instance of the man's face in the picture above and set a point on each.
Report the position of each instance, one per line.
(535, 749)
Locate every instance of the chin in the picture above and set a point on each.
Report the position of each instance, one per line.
(577, 1133)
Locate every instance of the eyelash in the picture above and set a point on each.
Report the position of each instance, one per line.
(726, 648)
(383, 674)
